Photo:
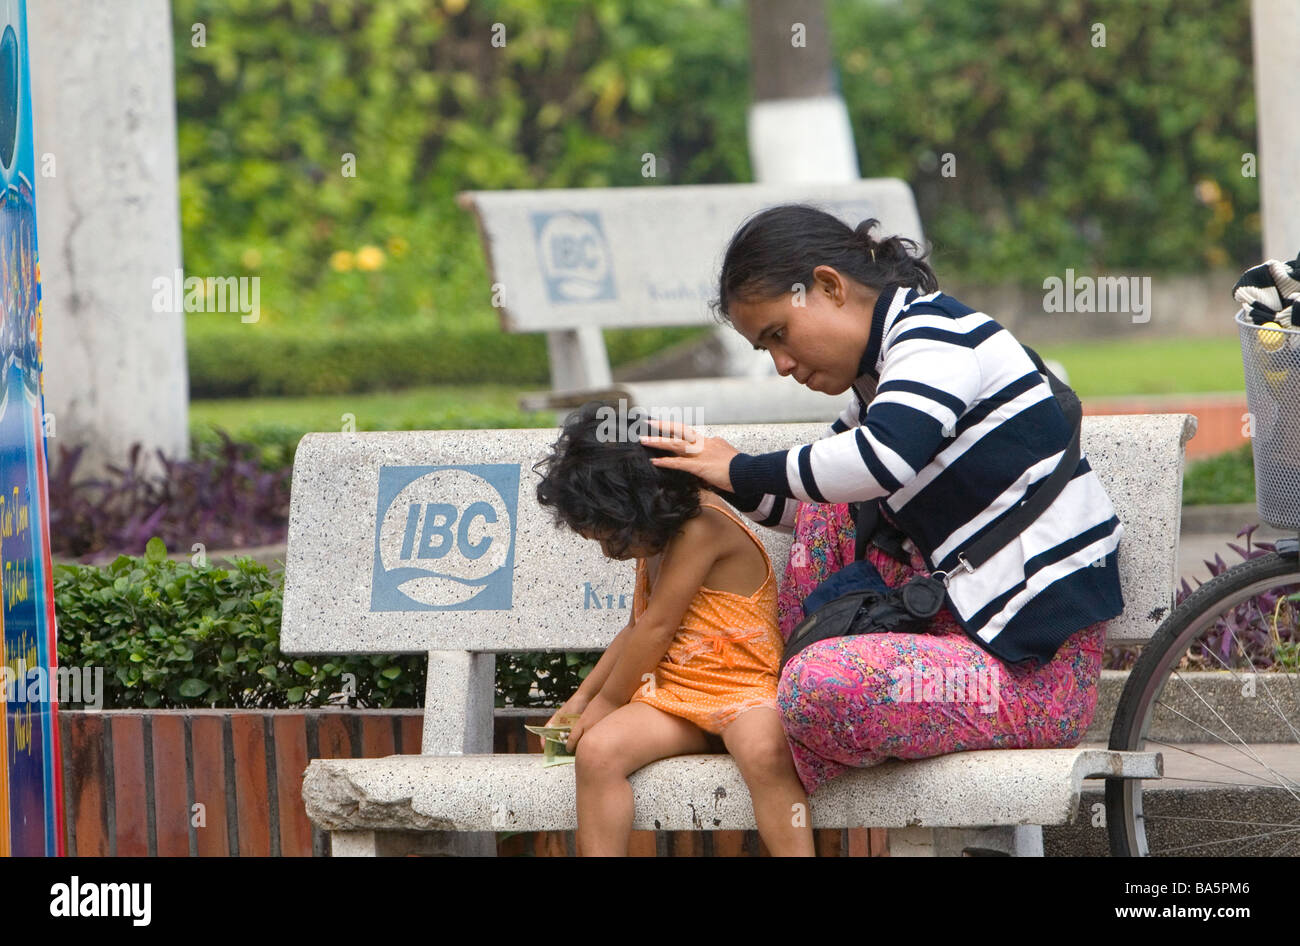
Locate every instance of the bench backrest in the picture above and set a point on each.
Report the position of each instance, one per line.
(405, 542)
(642, 256)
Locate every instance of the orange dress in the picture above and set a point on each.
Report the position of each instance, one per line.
(725, 655)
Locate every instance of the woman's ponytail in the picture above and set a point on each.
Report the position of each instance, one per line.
(892, 256)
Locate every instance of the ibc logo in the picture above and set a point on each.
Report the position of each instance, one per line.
(574, 256)
(445, 538)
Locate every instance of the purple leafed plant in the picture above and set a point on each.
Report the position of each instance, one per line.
(223, 500)
(1261, 632)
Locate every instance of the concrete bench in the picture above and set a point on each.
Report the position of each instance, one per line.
(408, 542)
(574, 262)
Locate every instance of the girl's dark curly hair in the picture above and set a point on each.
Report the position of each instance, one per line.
(600, 481)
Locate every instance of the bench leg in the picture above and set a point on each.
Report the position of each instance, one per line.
(402, 843)
(1024, 840)
(353, 844)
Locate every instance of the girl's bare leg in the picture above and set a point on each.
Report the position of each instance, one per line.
(632, 736)
(756, 740)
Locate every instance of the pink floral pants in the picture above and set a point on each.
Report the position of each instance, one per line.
(854, 701)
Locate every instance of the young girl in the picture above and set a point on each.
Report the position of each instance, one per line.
(701, 653)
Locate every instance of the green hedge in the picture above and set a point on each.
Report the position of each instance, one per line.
(1067, 154)
(1064, 153)
(273, 360)
(175, 634)
(414, 91)
(249, 361)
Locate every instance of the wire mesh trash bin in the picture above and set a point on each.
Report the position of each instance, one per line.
(1271, 360)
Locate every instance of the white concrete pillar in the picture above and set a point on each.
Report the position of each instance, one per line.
(1276, 29)
(798, 125)
(108, 220)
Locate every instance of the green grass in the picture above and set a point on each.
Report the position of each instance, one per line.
(1096, 369)
(1163, 366)
(1227, 478)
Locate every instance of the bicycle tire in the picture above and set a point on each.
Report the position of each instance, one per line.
(1125, 818)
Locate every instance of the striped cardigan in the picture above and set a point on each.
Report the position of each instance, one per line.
(961, 428)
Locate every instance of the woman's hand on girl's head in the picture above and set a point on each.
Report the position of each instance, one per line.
(709, 458)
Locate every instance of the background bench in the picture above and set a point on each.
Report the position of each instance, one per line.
(574, 262)
(498, 576)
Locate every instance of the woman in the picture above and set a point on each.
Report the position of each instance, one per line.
(949, 428)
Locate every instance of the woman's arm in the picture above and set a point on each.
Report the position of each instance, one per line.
(766, 509)
(915, 411)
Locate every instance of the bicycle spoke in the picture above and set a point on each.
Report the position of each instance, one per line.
(1195, 651)
(1265, 834)
(1285, 844)
(1174, 745)
(1290, 677)
(1254, 824)
(1262, 676)
(1212, 781)
(1244, 745)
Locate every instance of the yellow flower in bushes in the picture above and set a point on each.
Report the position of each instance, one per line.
(341, 261)
(370, 258)
(251, 258)
(397, 246)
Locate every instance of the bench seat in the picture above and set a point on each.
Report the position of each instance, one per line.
(356, 504)
(705, 792)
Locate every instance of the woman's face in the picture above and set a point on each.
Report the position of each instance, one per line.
(819, 343)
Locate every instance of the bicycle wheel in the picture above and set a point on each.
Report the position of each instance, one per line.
(1216, 691)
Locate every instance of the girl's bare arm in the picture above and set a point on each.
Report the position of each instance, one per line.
(600, 673)
(686, 564)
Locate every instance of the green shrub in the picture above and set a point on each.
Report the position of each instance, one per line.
(236, 360)
(1067, 154)
(283, 90)
(250, 361)
(175, 634)
(1061, 153)
(273, 444)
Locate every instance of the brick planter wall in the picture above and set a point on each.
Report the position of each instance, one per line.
(131, 779)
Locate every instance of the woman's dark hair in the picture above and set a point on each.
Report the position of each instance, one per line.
(599, 479)
(781, 246)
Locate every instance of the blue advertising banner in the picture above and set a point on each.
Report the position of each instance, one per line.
(31, 809)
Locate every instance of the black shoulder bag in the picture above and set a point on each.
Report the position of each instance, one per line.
(909, 607)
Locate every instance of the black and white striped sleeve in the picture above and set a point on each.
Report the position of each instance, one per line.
(925, 387)
(778, 511)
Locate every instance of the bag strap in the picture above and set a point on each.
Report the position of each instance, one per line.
(977, 553)
(872, 528)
